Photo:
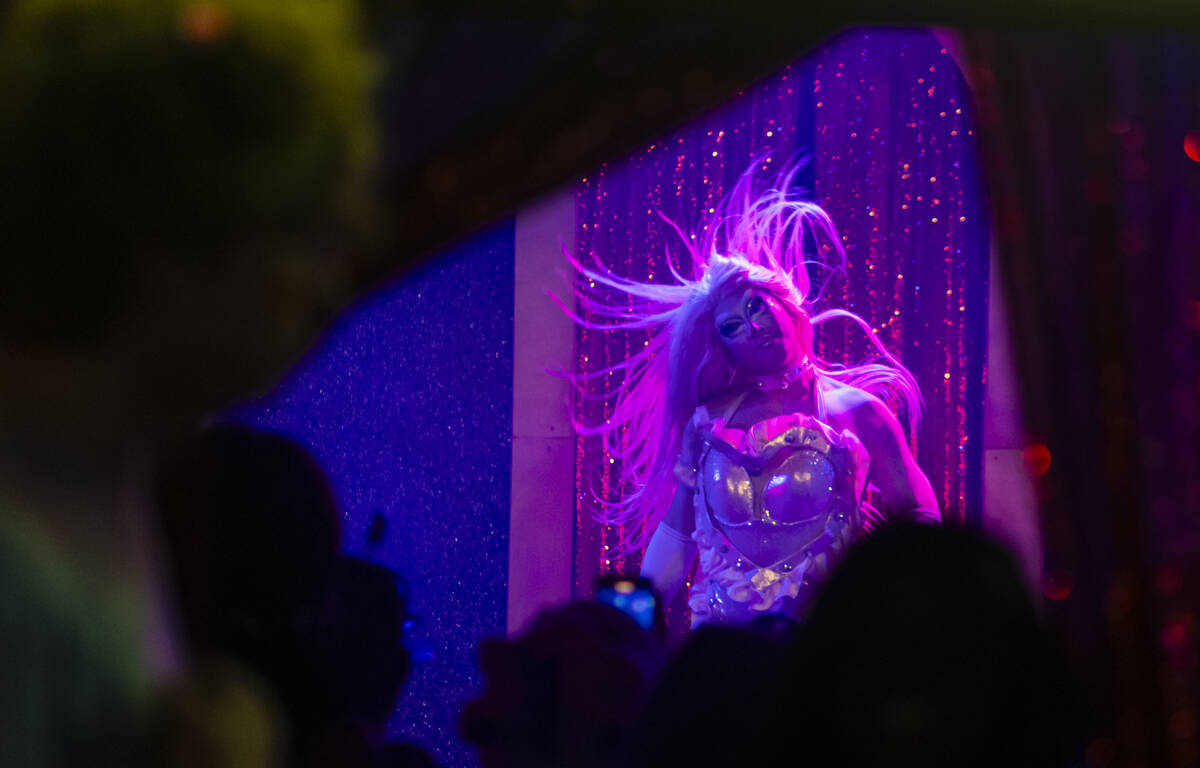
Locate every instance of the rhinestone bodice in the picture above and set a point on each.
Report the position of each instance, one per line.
(776, 506)
(774, 494)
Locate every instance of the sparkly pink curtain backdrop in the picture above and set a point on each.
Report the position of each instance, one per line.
(884, 118)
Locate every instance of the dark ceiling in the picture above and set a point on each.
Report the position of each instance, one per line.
(482, 110)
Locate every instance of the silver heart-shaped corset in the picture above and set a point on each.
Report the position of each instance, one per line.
(773, 504)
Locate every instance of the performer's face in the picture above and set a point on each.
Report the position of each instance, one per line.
(756, 331)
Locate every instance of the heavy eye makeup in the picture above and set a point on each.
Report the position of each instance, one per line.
(755, 306)
(730, 328)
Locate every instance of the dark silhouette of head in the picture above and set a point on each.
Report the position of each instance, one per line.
(716, 701)
(925, 649)
(252, 530)
(360, 664)
(364, 661)
(566, 692)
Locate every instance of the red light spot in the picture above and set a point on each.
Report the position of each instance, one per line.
(1176, 636)
(1191, 146)
(1058, 584)
(1037, 459)
(205, 22)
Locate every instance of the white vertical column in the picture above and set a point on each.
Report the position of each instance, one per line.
(1010, 511)
(541, 521)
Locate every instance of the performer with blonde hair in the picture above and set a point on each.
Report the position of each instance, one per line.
(739, 442)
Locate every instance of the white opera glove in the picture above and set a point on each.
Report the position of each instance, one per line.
(668, 559)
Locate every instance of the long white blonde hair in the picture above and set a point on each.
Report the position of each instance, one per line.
(753, 238)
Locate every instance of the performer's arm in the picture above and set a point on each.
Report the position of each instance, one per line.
(671, 550)
(894, 471)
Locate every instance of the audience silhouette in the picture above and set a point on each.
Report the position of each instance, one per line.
(567, 691)
(924, 648)
(302, 645)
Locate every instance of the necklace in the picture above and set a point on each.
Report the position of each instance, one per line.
(784, 379)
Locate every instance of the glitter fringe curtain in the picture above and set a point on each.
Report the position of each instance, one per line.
(884, 118)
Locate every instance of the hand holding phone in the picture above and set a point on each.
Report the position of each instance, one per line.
(635, 596)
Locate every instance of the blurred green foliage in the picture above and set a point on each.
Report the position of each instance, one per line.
(134, 127)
